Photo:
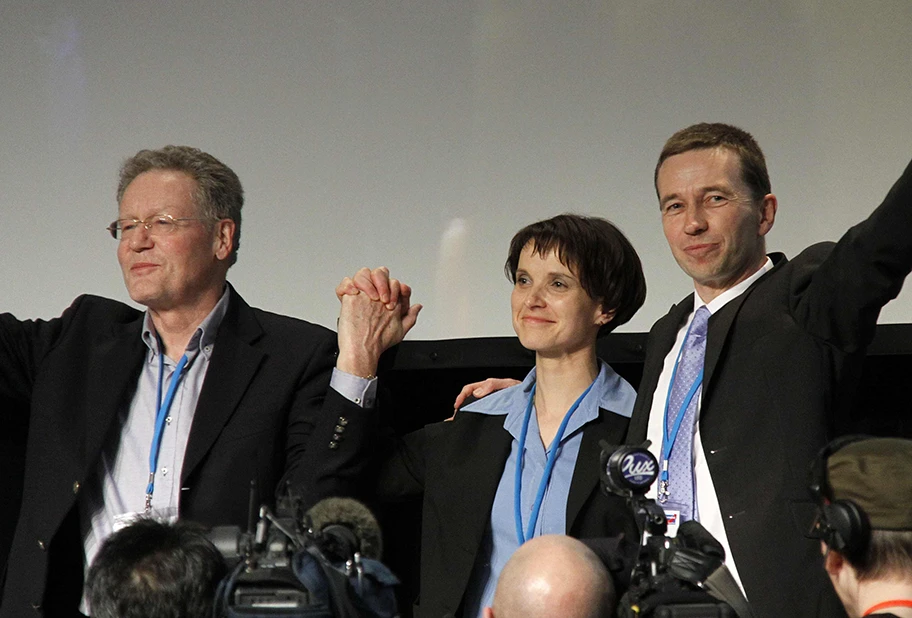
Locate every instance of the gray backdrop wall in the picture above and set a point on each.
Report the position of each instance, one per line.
(421, 135)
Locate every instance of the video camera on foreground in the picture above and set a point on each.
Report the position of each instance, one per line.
(320, 563)
(681, 577)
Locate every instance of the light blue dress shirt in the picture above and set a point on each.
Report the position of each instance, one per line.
(117, 489)
(610, 392)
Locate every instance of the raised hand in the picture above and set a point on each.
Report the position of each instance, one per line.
(376, 314)
(378, 286)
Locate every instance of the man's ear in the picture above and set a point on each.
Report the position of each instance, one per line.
(768, 208)
(833, 561)
(224, 238)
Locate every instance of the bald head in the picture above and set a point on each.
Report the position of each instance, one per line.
(554, 575)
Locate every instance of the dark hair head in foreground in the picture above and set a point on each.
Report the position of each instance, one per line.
(597, 252)
(152, 569)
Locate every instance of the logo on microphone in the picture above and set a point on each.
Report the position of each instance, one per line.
(639, 469)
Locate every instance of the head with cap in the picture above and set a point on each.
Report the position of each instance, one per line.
(864, 493)
(553, 575)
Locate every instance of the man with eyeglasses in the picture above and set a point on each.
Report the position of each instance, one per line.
(182, 409)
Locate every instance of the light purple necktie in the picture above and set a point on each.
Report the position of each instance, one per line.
(680, 462)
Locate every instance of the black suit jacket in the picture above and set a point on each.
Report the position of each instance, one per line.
(782, 363)
(264, 388)
(456, 466)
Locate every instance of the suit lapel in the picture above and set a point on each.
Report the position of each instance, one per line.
(611, 428)
(472, 488)
(466, 495)
(233, 365)
(661, 340)
(720, 324)
(113, 367)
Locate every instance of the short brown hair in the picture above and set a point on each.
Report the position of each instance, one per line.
(607, 265)
(717, 135)
(219, 194)
(887, 556)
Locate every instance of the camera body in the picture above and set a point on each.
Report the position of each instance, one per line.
(286, 566)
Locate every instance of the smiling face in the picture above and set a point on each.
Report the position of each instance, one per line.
(552, 313)
(715, 230)
(183, 270)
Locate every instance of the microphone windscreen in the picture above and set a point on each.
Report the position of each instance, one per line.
(330, 513)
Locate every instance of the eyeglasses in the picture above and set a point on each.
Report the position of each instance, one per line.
(156, 225)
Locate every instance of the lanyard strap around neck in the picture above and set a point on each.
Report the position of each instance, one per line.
(886, 604)
(549, 466)
(161, 416)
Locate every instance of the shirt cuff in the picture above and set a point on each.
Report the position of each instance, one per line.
(362, 391)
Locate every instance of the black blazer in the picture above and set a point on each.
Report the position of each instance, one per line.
(263, 391)
(456, 467)
(782, 363)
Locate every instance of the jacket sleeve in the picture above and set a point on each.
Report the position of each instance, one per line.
(839, 298)
(23, 345)
(354, 455)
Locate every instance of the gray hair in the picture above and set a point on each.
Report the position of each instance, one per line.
(219, 193)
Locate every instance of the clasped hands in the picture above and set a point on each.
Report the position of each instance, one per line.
(376, 314)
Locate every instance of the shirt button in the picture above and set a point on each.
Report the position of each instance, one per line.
(36, 606)
(333, 445)
(76, 487)
(42, 545)
(164, 471)
(168, 419)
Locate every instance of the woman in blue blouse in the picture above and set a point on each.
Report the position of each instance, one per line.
(523, 461)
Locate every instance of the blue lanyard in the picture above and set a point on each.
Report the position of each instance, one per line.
(549, 466)
(163, 407)
(669, 436)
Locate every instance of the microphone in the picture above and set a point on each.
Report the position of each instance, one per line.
(627, 471)
(343, 527)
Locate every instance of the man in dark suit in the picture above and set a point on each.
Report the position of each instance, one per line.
(783, 352)
(177, 410)
(784, 347)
